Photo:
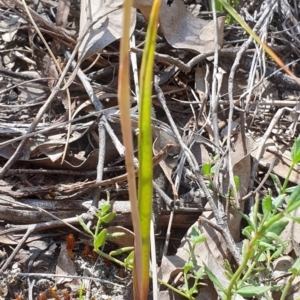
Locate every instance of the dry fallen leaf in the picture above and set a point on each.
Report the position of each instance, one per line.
(168, 163)
(181, 29)
(107, 28)
(10, 26)
(65, 266)
(241, 167)
(282, 165)
(200, 82)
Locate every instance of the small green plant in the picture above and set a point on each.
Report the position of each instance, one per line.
(190, 268)
(209, 168)
(99, 236)
(263, 243)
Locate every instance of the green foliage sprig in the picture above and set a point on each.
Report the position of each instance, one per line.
(263, 243)
(100, 235)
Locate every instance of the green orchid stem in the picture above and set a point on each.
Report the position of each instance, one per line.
(145, 172)
(287, 179)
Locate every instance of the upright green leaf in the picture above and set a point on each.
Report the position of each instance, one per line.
(278, 201)
(236, 181)
(145, 140)
(129, 259)
(196, 236)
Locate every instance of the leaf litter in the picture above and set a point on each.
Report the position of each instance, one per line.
(39, 189)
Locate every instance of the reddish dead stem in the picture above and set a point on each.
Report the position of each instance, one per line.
(70, 245)
(66, 295)
(53, 293)
(86, 250)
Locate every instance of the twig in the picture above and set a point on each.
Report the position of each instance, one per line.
(64, 172)
(70, 188)
(48, 24)
(98, 106)
(168, 201)
(134, 68)
(167, 240)
(259, 152)
(59, 70)
(231, 102)
(190, 157)
(214, 89)
(30, 207)
(101, 156)
(161, 98)
(103, 124)
(218, 211)
(14, 253)
(19, 151)
(176, 61)
(46, 225)
(261, 184)
(30, 288)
